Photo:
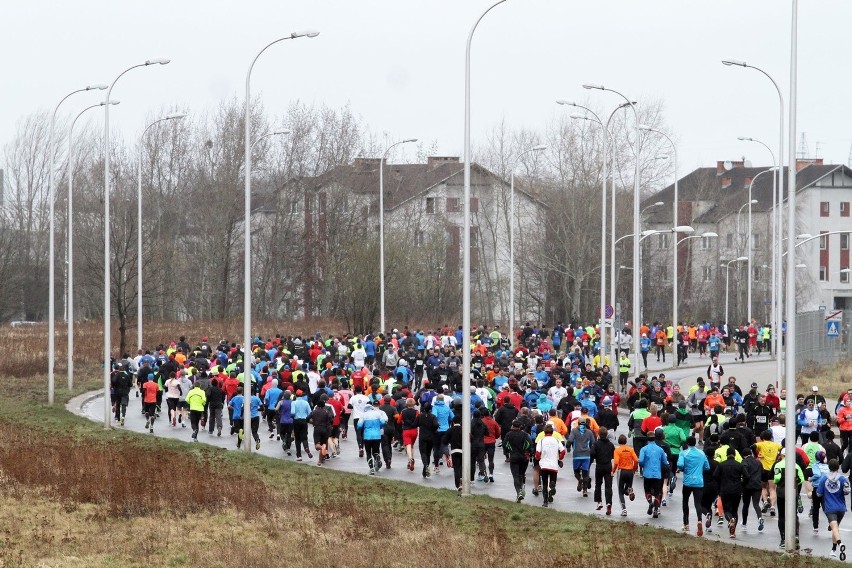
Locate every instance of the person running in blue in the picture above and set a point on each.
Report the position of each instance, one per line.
(693, 463)
(236, 406)
(833, 489)
(372, 424)
(652, 460)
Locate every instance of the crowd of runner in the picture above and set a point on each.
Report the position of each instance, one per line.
(547, 395)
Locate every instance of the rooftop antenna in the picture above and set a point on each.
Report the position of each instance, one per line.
(803, 147)
(819, 146)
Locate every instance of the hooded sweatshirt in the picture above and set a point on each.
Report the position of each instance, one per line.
(833, 487)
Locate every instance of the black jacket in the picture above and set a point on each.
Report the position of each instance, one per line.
(729, 475)
(505, 415)
(752, 472)
(428, 427)
(517, 444)
(602, 452)
(608, 419)
(215, 397)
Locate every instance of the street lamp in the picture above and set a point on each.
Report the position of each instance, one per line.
(107, 298)
(538, 148)
(69, 245)
(382, 228)
(606, 137)
(791, 229)
(636, 196)
(51, 301)
(651, 206)
(805, 237)
(247, 352)
(644, 235)
(727, 289)
(466, 457)
(175, 116)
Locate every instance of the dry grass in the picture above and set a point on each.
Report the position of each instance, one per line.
(831, 379)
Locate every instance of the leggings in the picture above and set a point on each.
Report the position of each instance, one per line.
(696, 493)
(654, 489)
(603, 477)
(374, 459)
(456, 456)
(426, 448)
(645, 358)
(195, 418)
(489, 454)
(548, 483)
(625, 483)
(300, 431)
(731, 504)
(751, 497)
(286, 433)
(708, 498)
(255, 425)
(477, 453)
(439, 452)
(816, 503)
(781, 516)
(519, 474)
(661, 350)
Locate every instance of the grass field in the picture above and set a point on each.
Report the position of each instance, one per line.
(77, 495)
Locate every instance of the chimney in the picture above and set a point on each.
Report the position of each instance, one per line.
(802, 163)
(435, 161)
(720, 165)
(366, 164)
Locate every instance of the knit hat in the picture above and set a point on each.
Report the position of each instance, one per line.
(607, 401)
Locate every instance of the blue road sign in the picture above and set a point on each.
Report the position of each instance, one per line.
(832, 328)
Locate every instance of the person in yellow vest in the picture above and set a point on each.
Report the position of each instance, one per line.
(624, 365)
(670, 331)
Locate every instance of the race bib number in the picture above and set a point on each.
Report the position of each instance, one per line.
(761, 419)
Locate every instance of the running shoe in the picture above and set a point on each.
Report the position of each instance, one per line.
(298, 459)
(700, 530)
(436, 470)
(240, 435)
(599, 507)
(765, 508)
(684, 528)
(523, 492)
(271, 436)
(411, 465)
(799, 506)
(833, 554)
(721, 521)
(624, 512)
(579, 485)
(630, 494)
(650, 506)
(519, 497)
(544, 504)
(257, 445)
(491, 479)
(732, 528)
(708, 520)
(816, 530)
(609, 510)
(219, 432)
(760, 524)
(664, 503)
(656, 512)
(361, 452)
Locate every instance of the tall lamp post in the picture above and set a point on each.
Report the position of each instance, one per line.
(675, 205)
(514, 164)
(775, 244)
(636, 196)
(247, 351)
(607, 155)
(107, 291)
(779, 222)
(175, 116)
(382, 228)
(69, 245)
(51, 300)
(466, 457)
(727, 266)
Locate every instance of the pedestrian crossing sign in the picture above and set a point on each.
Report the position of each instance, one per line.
(832, 328)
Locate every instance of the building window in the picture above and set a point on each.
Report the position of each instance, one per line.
(663, 241)
(706, 243)
(294, 207)
(419, 238)
(430, 205)
(707, 273)
(844, 208)
(474, 237)
(823, 274)
(755, 274)
(453, 205)
(844, 241)
(474, 205)
(824, 209)
(755, 241)
(823, 243)
(844, 277)
(729, 241)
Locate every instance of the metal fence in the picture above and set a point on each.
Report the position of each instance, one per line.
(814, 347)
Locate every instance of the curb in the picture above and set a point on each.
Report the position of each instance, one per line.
(76, 404)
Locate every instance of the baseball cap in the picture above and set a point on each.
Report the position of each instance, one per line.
(815, 388)
(729, 410)
(754, 385)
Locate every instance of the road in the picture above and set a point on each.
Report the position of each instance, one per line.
(566, 499)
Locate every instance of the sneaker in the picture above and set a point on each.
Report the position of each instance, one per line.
(436, 470)
(195, 436)
(361, 453)
(479, 478)
(523, 493)
(732, 528)
(372, 471)
(535, 491)
(257, 445)
(708, 520)
(518, 497)
(721, 521)
(760, 524)
(799, 506)
(240, 435)
(121, 422)
(624, 512)
(387, 464)
(425, 472)
(491, 479)
(833, 554)
(816, 530)
(459, 490)
(183, 425)
(630, 494)
(765, 508)
(585, 493)
(700, 530)
(772, 512)
(271, 436)
(180, 419)
(289, 453)
(411, 465)
(684, 528)
(310, 455)
(151, 429)
(650, 506)
(656, 514)
(579, 485)
(664, 502)
(599, 507)
(544, 504)
(782, 544)
(608, 510)
(219, 432)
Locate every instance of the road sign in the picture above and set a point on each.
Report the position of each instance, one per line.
(832, 328)
(609, 311)
(834, 315)
(608, 322)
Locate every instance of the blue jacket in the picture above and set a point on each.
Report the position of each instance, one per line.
(285, 411)
(237, 404)
(652, 458)
(300, 409)
(833, 488)
(443, 413)
(373, 423)
(693, 463)
(270, 399)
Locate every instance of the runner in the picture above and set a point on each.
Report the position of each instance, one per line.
(321, 418)
(371, 423)
(625, 463)
(518, 447)
(550, 452)
(753, 476)
(409, 422)
(694, 464)
(833, 489)
(580, 440)
(428, 436)
(602, 453)
(652, 460)
(150, 392)
(196, 399)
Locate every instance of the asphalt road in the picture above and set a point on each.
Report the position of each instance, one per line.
(567, 498)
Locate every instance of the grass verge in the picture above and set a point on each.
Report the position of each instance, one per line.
(77, 495)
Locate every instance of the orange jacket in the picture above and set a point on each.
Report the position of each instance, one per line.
(713, 400)
(624, 458)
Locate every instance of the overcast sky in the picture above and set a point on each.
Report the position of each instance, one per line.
(400, 64)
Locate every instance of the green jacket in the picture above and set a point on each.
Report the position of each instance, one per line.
(196, 399)
(675, 438)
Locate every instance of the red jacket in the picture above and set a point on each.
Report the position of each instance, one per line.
(493, 430)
